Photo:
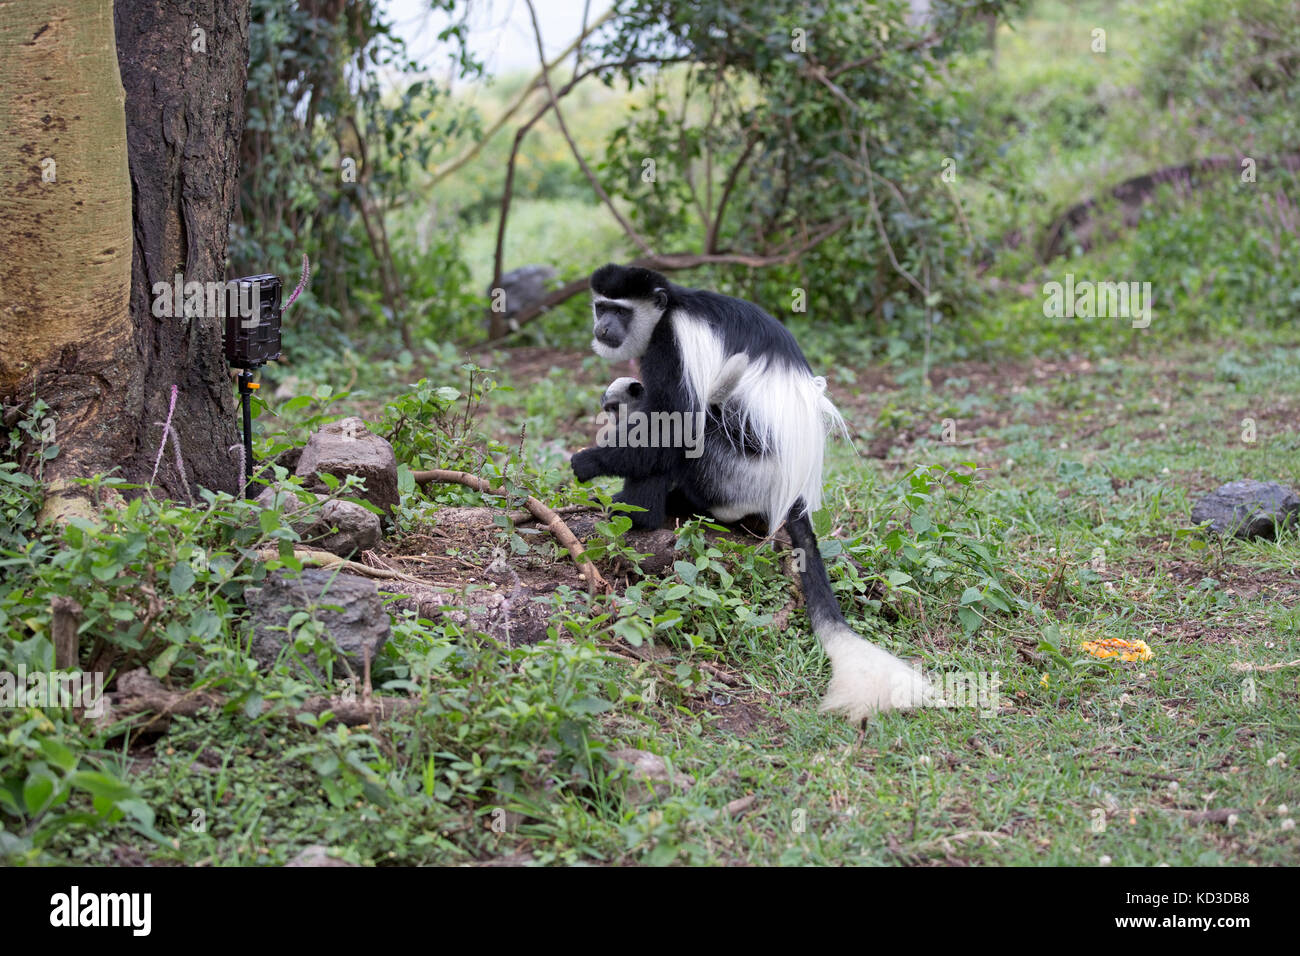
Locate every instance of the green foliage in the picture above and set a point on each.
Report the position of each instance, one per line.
(156, 581)
(32, 436)
(159, 584)
(608, 545)
(496, 723)
(48, 786)
(1224, 61)
(433, 425)
(282, 427)
(504, 749)
(1214, 258)
(789, 118)
(327, 146)
(937, 540)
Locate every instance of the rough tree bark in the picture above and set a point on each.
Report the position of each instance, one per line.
(184, 66)
(65, 228)
(85, 243)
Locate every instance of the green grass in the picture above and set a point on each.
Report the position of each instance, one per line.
(1079, 761)
(1092, 441)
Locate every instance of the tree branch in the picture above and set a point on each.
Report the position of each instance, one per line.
(139, 692)
(553, 522)
(442, 172)
(711, 240)
(573, 147)
(674, 262)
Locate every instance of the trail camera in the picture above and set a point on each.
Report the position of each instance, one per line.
(253, 339)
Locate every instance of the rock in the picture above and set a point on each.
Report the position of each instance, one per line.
(523, 287)
(462, 518)
(291, 387)
(514, 614)
(340, 527)
(511, 859)
(359, 626)
(317, 856)
(649, 774)
(354, 529)
(1248, 509)
(289, 458)
(349, 447)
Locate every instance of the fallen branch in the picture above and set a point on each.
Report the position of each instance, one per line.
(1134, 773)
(326, 559)
(731, 680)
(675, 262)
(527, 517)
(553, 522)
(1221, 815)
(139, 692)
(737, 807)
(1248, 666)
(65, 620)
(946, 842)
(654, 655)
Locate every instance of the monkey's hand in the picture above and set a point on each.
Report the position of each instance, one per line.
(585, 464)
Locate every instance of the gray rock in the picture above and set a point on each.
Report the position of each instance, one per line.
(1248, 509)
(349, 606)
(317, 856)
(349, 447)
(524, 286)
(354, 529)
(649, 776)
(291, 387)
(340, 527)
(512, 614)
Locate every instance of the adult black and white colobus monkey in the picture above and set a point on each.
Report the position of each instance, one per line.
(764, 443)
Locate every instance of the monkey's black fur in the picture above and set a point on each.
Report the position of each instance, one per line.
(674, 493)
(734, 348)
(651, 474)
(744, 327)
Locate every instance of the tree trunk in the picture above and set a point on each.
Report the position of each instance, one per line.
(184, 66)
(84, 243)
(65, 228)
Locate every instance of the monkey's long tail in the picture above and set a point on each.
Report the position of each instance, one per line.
(864, 678)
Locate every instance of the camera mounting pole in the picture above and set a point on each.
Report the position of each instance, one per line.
(246, 388)
(252, 341)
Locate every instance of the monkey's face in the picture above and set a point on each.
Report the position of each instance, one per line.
(623, 327)
(612, 322)
(622, 391)
(627, 303)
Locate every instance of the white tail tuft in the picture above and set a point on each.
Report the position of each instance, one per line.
(866, 679)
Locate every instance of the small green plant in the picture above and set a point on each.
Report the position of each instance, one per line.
(936, 539)
(610, 545)
(46, 786)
